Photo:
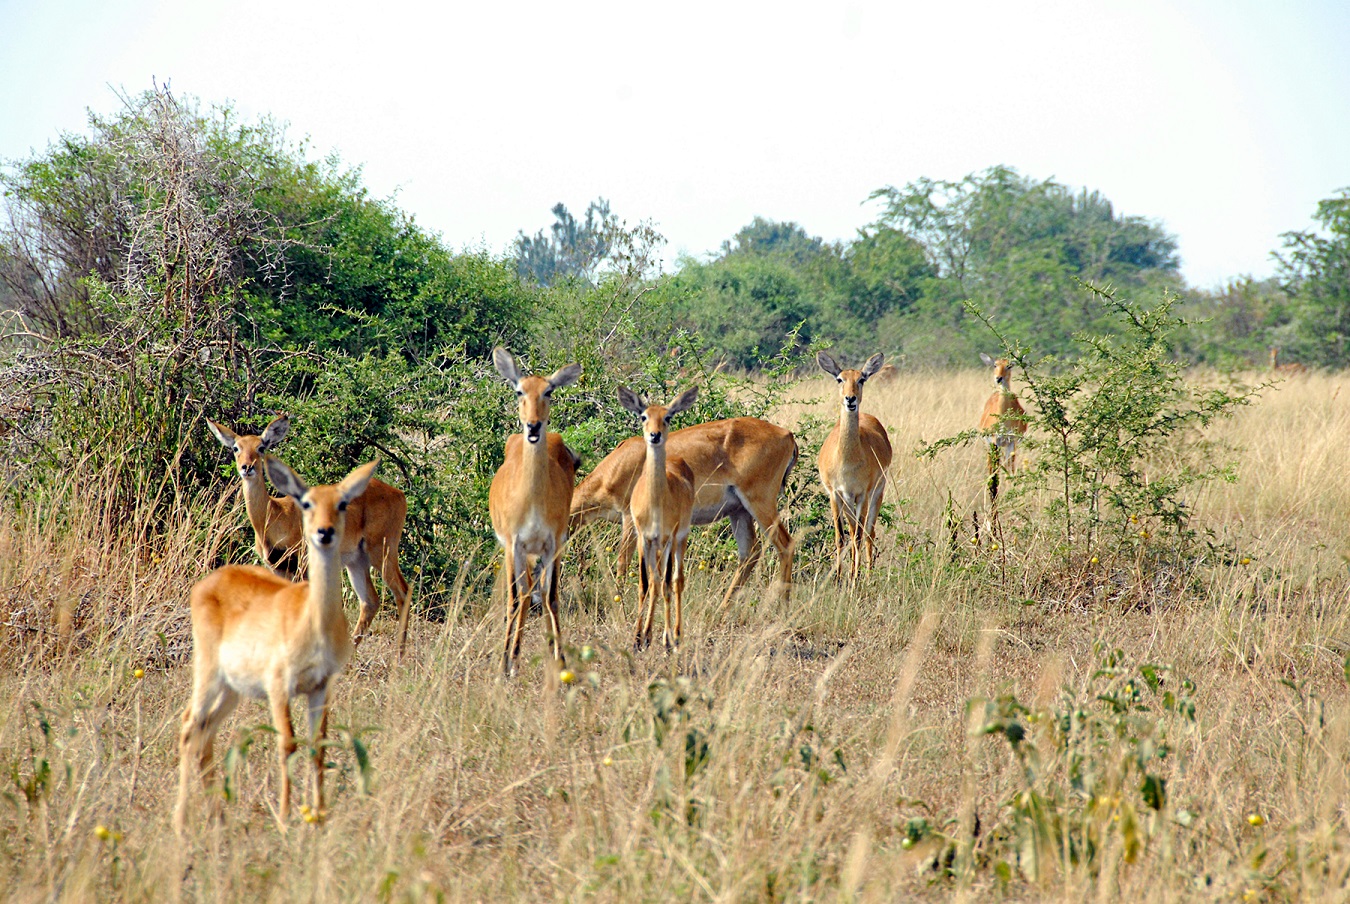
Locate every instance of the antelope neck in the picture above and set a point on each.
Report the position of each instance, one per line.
(325, 587)
(257, 503)
(848, 428)
(534, 459)
(654, 472)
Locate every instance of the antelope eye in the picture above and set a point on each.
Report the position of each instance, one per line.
(342, 506)
(306, 504)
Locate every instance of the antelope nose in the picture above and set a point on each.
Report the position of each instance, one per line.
(325, 535)
(533, 430)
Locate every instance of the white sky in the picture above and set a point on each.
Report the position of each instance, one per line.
(1226, 120)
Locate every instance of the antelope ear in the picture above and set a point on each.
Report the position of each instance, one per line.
(828, 364)
(506, 366)
(631, 401)
(283, 478)
(564, 376)
(224, 434)
(988, 361)
(684, 402)
(873, 365)
(276, 431)
(355, 483)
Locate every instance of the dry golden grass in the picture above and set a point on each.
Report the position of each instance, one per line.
(484, 790)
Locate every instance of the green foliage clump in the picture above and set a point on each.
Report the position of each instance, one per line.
(1116, 435)
(1092, 768)
(1094, 778)
(1016, 249)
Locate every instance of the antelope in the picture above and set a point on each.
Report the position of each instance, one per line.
(1292, 369)
(853, 462)
(529, 501)
(256, 634)
(887, 374)
(661, 508)
(375, 526)
(1001, 413)
(740, 466)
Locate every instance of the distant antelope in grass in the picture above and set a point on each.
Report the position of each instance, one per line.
(888, 373)
(529, 502)
(375, 526)
(853, 462)
(1291, 369)
(662, 505)
(1002, 415)
(257, 634)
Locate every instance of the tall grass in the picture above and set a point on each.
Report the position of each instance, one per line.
(782, 754)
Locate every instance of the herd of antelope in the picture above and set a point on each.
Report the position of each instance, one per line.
(258, 632)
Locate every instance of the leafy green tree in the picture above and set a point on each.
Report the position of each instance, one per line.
(1236, 326)
(744, 306)
(1018, 249)
(787, 241)
(1316, 270)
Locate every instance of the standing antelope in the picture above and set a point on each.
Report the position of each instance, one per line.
(529, 501)
(853, 462)
(661, 507)
(1292, 369)
(1001, 413)
(259, 635)
(375, 526)
(740, 466)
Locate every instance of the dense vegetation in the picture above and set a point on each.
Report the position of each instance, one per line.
(175, 262)
(1003, 706)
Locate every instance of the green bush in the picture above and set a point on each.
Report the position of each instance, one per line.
(1116, 436)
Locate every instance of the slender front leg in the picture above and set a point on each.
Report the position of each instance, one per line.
(652, 577)
(873, 510)
(859, 535)
(550, 594)
(838, 535)
(644, 588)
(524, 600)
(677, 562)
(667, 551)
(627, 546)
(512, 601)
(318, 732)
(281, 720)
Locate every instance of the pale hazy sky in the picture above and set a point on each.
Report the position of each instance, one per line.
(1226, 121)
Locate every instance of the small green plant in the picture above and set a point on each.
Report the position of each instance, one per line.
(1093, 767)
(681, 723)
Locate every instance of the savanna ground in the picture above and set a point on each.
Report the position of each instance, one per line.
(822, 748)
